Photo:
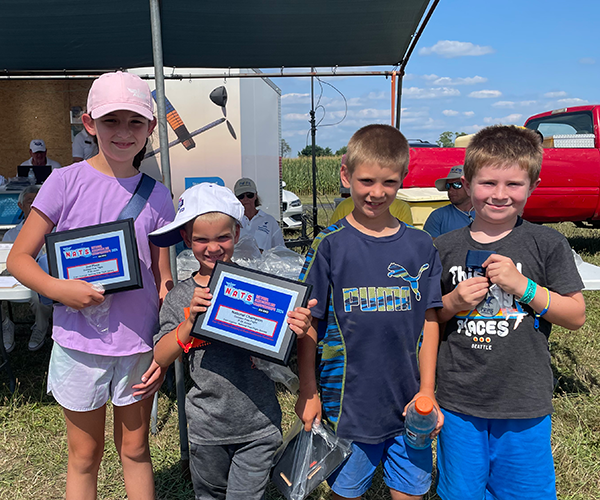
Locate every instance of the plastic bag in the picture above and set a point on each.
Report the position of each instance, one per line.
(186, 265)
(282, 261)
(278, 373)
(97, 316)
(306, 459)
(246, 252)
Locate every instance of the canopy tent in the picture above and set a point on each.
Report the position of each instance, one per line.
(42, 37)
(67, 35)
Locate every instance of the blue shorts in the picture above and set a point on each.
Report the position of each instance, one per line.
(404, 469)
(490, 459)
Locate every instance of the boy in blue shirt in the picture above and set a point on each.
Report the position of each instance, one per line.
(505, 282)
(377, 285)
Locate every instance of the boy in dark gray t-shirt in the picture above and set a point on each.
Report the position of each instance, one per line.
(505, 282)
(232, 410)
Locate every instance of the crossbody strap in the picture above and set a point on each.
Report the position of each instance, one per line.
(138, 200)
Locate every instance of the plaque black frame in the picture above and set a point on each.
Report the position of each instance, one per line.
(131, 251)
(283, 354)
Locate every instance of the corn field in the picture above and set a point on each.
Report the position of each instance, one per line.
(297, 174)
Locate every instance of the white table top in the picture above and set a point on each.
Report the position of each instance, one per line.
(19, 293)
(590, 274)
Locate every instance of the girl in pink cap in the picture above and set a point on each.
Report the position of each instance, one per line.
(88, 366)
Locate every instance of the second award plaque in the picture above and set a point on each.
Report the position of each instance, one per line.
(249, 310)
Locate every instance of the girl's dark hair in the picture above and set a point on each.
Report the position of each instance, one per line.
(138, 158)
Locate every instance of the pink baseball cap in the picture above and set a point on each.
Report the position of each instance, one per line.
(118, 91)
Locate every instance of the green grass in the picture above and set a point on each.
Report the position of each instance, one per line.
(33, 450)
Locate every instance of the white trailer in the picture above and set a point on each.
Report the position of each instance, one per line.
(227, 128)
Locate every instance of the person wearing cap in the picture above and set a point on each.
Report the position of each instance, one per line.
(88, 366)
(459, 213)
(38, 155)
(258, 224)
(233, 415)
(84, 146)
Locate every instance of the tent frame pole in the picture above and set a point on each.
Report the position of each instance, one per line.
(166, 173)
(313, 133)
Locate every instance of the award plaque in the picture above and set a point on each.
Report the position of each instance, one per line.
(249, 310)
(104, 253)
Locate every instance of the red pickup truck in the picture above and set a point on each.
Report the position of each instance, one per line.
(570, 186)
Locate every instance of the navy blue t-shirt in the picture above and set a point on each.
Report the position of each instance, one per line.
(373, 294)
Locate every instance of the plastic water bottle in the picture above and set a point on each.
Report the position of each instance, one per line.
(421, 419)
(31, 177)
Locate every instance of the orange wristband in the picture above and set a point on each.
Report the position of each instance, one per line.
(186, 347)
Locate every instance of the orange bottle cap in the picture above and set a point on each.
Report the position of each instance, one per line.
(424, 405)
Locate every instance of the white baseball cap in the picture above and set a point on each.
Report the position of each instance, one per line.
(120, 91)
(197, 200)
(37, 145)
(455, 173)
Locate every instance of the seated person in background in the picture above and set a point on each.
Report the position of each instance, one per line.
(262, 226)
(84, 146)
(399, 209)
(41, 311)
(37, 152)
(459, 213)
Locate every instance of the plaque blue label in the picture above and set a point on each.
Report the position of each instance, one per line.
(246, 309)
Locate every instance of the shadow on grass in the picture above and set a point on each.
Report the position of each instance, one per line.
(29, 368)
(173, 483)
(587, 244)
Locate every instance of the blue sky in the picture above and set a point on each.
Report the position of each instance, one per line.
(477, 63)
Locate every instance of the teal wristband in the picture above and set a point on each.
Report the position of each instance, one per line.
(530, 292)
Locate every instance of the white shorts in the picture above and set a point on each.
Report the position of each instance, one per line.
(83, 382)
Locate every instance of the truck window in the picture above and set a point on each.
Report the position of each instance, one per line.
(568, 123)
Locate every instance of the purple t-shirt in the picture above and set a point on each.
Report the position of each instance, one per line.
(78, 196)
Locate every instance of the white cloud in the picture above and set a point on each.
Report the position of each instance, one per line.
(419, 93)
(553, 95)
(469, 113)
(512, 104)
(471, 129)
(372, 113)
(514, 118)
(296, 117)
(450, 112)
(587, 60)
(293, 133)
(295, 98)
(504, 104)
(377, 95)
(430, 77)
(574, 101)
(449, 49)
(470, 80)
(485, 94)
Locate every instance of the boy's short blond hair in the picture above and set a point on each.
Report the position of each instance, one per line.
(504, 146)
(380, 144)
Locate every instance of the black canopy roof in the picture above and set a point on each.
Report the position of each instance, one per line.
(68, 35)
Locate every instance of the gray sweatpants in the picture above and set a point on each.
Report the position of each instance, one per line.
(233, 472)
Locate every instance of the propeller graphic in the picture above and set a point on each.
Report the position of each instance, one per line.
(219, 97)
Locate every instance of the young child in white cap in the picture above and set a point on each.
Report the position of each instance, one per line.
(232, 410)
(88, 368)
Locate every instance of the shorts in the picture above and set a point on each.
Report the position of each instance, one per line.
(234, 471)
(404, 469)
(505, 459)
(83, 382)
